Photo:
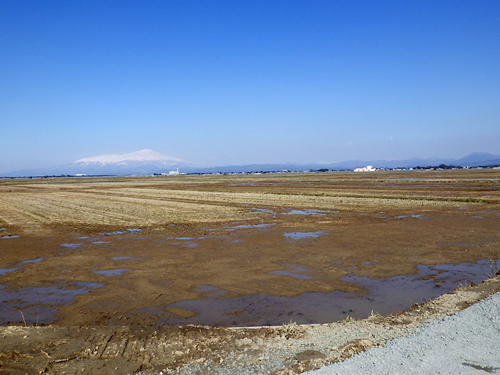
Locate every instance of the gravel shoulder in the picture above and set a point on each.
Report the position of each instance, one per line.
(467, 342)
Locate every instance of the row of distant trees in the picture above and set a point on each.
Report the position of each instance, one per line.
(444, 166)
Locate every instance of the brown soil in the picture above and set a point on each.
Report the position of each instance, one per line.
(288, 349)
(236, 235)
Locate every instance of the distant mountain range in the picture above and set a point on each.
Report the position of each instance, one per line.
(139, 162)
(472, 160)
(136, 163)
(148, 162)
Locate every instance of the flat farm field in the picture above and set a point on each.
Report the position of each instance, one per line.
(39, 206)
(234, 251)
(169, 249)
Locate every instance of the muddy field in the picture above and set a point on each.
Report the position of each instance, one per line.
(132, 254)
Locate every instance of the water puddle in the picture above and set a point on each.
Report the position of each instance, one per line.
(126, 258)
(114, 272)
(115, 233)
(405, 217)
(99, 242)
(246, 226)
(307, 212)
(239, 226)
(3, 271)
(296, 267)
(302, 235)
(209, 291)
(189, 245)
(388, 295)
(385, 296)
(31, 261)
(10, 236)
(112, 233)
(71, 245)
(31, 305)
(213, 306)
(296, 271)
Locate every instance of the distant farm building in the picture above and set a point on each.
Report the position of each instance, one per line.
(171, 173)
(368, 168)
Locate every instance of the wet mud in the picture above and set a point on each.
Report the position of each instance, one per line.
(314, 268)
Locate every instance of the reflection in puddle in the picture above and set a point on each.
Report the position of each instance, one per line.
(3, 271)
(213, 305)
(399, 292)
(240, 226)
(297, 274)
(125, 258)
(244, 226)
(29, 305)
(129, 230)
(71, 245)
(98, 242)
(296, 267)
(31, 261)
(307, 212)
(301, 235)
(186, 244)
(13, 236)
(261, 309)
(115, 272)
(209, 291)
(406, 216)
(385, 296)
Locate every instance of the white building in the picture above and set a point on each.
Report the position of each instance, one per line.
(368, 168)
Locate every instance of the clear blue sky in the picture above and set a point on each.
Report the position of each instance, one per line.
(240, 82)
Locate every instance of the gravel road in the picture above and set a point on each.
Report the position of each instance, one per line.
(467, 342)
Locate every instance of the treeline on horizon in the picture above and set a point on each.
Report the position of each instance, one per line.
(321, 170)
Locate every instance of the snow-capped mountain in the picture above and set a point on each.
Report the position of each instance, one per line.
(145, 155)
(139, 162)
(148, 161)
